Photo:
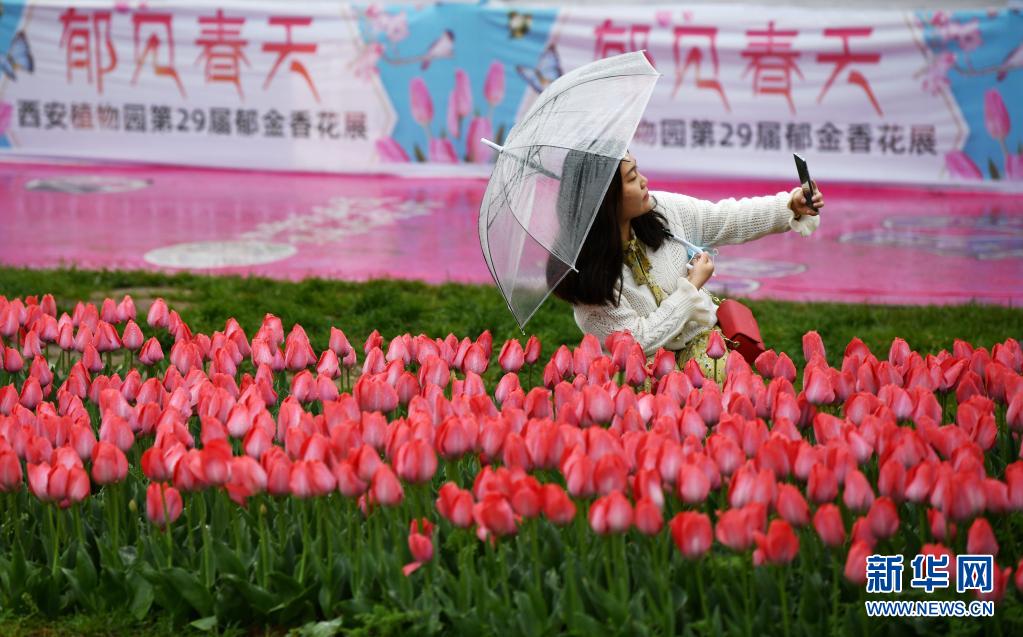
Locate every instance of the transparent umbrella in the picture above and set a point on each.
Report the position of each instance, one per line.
(552, 172)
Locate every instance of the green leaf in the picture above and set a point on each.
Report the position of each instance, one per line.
(142, 598)
(418, 153)
(205, 624)
(257, 597)
(227, 559)
(191, 589)
(993, 169)
(320, 629)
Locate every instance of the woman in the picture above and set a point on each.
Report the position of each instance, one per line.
(631, 275)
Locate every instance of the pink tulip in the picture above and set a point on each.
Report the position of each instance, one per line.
(493, 85)
(691, 532)
(716, 345)
(828, 523)
(454, 122)
(391, 151)
(5, 116)
(476, 150)
(385, 488)
(960, 165)
(442, 151)
(163, 504)
(462, 94)
(420, 545)
(996, 116)
(1014, 167)
(422, 103)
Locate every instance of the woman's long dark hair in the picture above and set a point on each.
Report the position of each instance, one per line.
(601, 259)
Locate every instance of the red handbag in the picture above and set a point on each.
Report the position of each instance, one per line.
(741, 330)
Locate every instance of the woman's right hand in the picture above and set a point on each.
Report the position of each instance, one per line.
(703, 268)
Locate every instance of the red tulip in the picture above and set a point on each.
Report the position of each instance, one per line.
(512, 356)
(109, 464)
(858, 495)
(10, 472)
(495, 515)
(981, 538)
(818, 386)
(779, 546)
(163, 504)
(856, 563)
(791, 505)
(649, 518)
(416, 461)
(691, 532)
(828, 523)
(883, 518)
(611, 514)
(420, 545)
(475, 361)
(158, 315)
(735, 527)
(557, 506)
(716, 345)
(813, 345)
(310, 479)
(693, 484)
(385, 488)
(455, 505)
(784, 368)
(822, 485)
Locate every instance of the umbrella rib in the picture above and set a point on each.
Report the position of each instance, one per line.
(655, 75)
(531, 235)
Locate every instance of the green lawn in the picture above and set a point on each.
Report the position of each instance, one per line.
(396, 307)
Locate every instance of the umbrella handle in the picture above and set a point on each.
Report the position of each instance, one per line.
(492, 145)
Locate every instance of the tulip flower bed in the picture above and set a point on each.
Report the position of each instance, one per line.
(228, 480)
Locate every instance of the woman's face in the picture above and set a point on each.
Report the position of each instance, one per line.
(636, 200)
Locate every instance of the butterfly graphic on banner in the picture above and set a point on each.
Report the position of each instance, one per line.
(18, 57)
(546, 71)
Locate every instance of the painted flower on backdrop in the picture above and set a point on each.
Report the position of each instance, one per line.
(459, 109)
(5, 116)
(998, 126)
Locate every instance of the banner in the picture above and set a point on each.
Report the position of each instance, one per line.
(930, 97)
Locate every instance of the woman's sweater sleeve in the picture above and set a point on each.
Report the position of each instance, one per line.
(654, 330)
(732, 221)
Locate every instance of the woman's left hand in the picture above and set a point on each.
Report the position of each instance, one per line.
(798, 205)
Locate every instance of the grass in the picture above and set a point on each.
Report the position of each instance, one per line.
(396, 307)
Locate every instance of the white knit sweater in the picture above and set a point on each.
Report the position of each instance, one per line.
(686, 311)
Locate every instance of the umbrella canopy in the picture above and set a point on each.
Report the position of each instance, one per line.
(552, 172)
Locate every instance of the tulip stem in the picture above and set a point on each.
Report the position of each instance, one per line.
(700, 591)
(834, 590)
(746, 593)
(166, 529)
(56, 540)
(304, 518)
(264, 550)
(784, 600)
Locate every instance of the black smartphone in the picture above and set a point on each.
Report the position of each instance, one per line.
(804, 180)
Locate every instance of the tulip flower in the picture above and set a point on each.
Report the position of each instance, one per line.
(422, 104)
(493, 84)
(420, 545)
(996, 116)
(779, 546)
(691, 532)
(163, 504)
(883, 518)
